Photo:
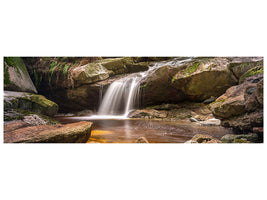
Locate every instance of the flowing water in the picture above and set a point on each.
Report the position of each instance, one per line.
(123, 95)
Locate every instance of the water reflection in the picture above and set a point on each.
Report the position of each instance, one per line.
(127, 131)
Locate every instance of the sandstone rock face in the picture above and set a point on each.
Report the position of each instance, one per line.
(16, 76)
(29, 102)
(70, 133)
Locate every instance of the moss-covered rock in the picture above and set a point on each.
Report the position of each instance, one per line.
(29, 102)
(16, 76)
(251, 72)
(243, 138)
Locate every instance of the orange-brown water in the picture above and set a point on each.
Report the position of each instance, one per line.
(127, 131)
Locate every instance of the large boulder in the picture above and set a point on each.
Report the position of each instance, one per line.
(29, 102)
(71, 133)
(242, 138)
(16, 77)
(240, 99)
(196, 80)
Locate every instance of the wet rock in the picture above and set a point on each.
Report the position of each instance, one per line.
(141, 140)
(70, 133)
(16, 76)
(193, 119)
(29, 102)
(34, 120)
(242, 138)
(148, 114)
(211, 122)
(200, 138)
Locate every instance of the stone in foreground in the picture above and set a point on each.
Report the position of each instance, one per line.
(71, 133)
(200, 138)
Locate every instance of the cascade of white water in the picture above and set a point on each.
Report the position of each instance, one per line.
(123, 94)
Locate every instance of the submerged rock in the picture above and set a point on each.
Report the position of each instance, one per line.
(70, 133)
(200, 138)
(141, 140)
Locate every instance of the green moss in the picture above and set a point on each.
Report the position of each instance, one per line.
(219, 101)
(6, 76)
(16, 62)
(252, 72)
(192, 68)
(41, 100)
(173, 78)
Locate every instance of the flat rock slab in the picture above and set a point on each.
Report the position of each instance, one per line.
(71, 133)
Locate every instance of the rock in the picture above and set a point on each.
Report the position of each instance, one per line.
(16, 76)
(244, 123)
(147, 114)
(89, 73)
(141, 140)
(85, 113)
(30, 102)
(209, 100)
(190, 80)
(70, 133)
(237, 100)
(211, 122)
(241, 65)
(193, 119)
(34, 120)
(243, 138)
(252, 72)
(200, 138)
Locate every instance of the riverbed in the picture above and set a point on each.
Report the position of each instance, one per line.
(155, 131)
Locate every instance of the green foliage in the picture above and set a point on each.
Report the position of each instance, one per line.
(37, 79)
(65, 69)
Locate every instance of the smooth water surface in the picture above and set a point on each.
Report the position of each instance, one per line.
(128, 130)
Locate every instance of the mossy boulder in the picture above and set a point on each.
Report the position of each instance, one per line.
(242, 138)
(251, 72)
(197, 80)
(16, 76)
(29, 102)
(240, 65)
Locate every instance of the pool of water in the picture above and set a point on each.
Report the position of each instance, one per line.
(129, 130)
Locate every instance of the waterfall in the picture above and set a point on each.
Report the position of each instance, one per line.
(123, 95)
